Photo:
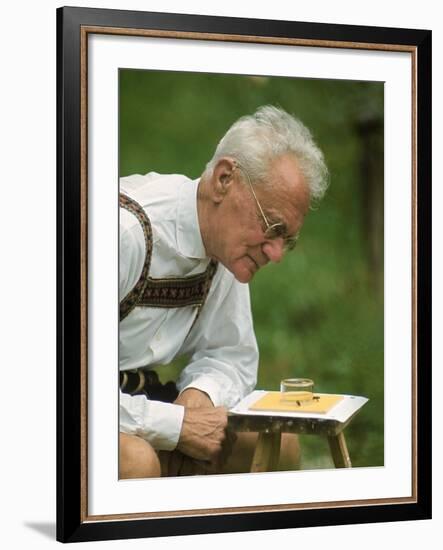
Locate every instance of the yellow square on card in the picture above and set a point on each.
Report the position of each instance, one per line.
(272, 401)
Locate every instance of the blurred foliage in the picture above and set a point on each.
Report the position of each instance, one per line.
(315, 314)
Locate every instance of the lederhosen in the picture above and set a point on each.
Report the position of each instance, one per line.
(165, 293)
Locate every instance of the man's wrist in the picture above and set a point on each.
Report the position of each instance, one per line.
(194, 397)
(208, 386)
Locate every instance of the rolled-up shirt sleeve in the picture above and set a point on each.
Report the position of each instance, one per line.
(156, 422)
(224, 350)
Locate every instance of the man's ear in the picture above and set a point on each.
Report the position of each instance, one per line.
(222, 178)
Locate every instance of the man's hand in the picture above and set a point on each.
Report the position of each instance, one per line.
(203, 428)
(204, 442)
(203, 432)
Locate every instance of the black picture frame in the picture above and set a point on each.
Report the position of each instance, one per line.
(72, 27)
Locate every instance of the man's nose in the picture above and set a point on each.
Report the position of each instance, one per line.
(274, 249)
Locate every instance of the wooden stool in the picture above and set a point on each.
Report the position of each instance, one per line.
(270, 428)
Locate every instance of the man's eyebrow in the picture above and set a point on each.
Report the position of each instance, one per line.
(275, 218)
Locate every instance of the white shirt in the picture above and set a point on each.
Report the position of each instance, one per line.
(221, 343)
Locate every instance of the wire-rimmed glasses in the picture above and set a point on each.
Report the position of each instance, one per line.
(274, 230)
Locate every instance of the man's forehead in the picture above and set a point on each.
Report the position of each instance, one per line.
(287, 202)
(285, 171)
(289, 187)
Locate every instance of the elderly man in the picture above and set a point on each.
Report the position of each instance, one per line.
(188, 248)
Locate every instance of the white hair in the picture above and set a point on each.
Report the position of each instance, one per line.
(254, 141)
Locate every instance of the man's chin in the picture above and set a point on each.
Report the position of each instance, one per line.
(244, 278)
(243, 275)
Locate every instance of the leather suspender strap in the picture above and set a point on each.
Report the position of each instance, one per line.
(131, 299)
(163, 293)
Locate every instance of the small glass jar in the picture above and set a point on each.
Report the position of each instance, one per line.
(297, 390)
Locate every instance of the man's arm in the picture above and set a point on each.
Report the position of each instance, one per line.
(162, 424)
(222, 342)
(222, 369)
(165, 425)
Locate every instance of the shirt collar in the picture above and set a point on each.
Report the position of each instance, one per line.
(189, 239)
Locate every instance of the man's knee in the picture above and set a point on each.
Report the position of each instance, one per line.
(137, 458)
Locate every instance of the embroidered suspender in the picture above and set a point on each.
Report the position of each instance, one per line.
(131, 299)
(169, 292)
(190, 291)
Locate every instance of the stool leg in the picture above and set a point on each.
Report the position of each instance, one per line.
(267, 452)
(339, 451)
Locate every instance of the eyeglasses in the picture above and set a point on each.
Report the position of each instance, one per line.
(275, 230)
